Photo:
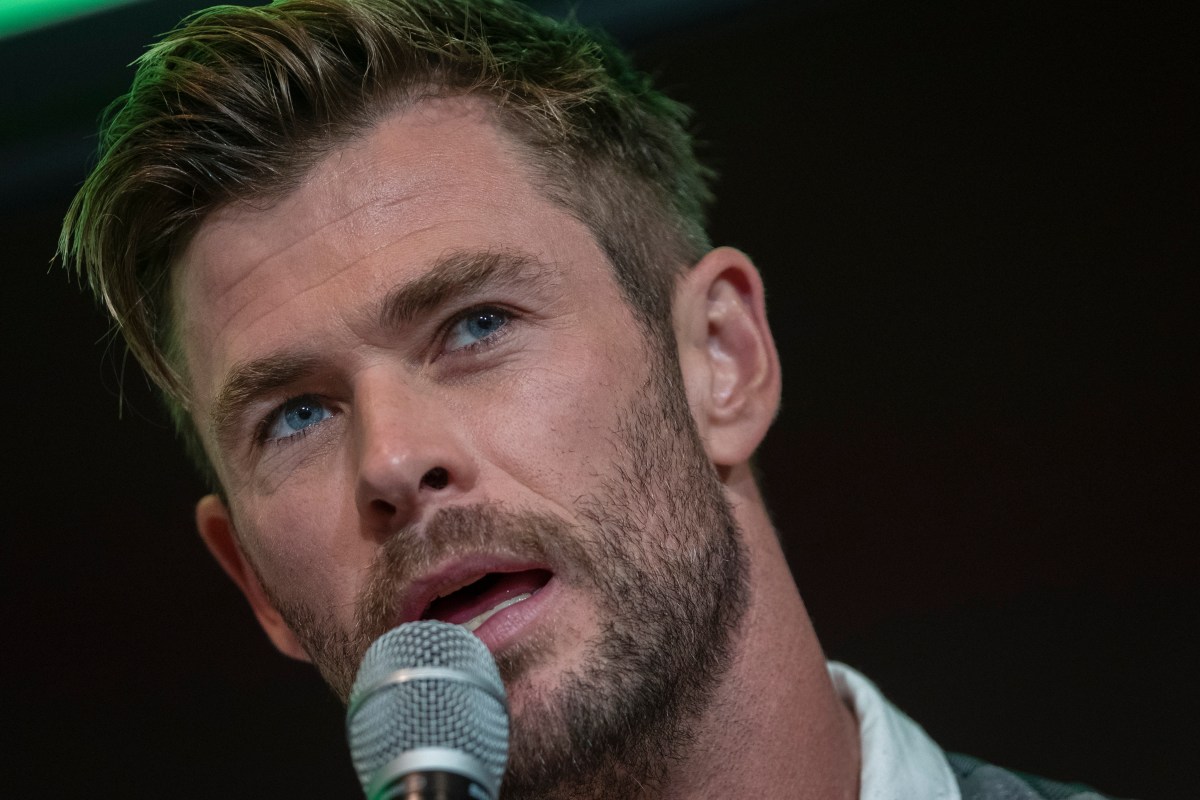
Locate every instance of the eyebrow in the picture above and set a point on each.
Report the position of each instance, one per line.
(455, 273)
(450, 275)
(251, 380)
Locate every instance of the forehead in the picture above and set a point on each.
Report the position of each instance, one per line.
(409, 173)
(433, 178)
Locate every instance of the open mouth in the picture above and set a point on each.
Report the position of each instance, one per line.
(477, 602)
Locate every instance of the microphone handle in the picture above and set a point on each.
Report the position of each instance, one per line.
(433, 785)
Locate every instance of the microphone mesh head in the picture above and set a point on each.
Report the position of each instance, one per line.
(428, 712)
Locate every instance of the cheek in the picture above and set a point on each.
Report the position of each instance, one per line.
(299, 552)
(553, 427)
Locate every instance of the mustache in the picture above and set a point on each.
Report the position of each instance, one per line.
(458, 532)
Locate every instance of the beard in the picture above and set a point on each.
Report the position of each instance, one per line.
(657, 549)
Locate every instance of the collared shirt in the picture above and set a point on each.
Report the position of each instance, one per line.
(899, 760)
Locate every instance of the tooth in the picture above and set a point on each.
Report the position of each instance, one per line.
(475, 622)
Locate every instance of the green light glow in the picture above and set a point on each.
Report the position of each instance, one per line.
(18, 16)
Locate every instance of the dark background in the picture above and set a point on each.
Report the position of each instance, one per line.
(977, 226)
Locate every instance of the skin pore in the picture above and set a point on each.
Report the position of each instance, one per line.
(414, 368)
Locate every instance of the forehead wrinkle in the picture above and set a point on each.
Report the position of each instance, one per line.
(454, 273)
(385, 201)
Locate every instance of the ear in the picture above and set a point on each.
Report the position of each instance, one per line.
(216, 529)
(728, 358)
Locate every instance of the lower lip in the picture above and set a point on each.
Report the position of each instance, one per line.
(505, 627)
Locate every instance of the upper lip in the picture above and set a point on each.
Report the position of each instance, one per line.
(452, 576)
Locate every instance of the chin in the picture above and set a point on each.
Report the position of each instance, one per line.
(534, 673)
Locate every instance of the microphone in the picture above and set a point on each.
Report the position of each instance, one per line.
(428, 717)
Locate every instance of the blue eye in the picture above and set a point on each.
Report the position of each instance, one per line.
(295, 415)
(476, 326)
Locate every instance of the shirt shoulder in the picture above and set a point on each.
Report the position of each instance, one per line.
(978, 780)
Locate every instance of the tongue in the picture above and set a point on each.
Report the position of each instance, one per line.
(484, 594)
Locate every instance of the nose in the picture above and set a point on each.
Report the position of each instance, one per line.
(411, 454)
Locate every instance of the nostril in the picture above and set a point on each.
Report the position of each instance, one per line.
(383, 508)
(436, 478)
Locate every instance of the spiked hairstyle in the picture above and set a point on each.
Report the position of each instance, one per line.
(239, 104)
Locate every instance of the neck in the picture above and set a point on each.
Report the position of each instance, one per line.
(776, 727)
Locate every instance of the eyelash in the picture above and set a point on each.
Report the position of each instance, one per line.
(262, 430)
(483, 343)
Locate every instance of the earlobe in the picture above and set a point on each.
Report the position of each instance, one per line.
(216, 529)
(727, 354)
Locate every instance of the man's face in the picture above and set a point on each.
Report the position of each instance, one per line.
(426, 398)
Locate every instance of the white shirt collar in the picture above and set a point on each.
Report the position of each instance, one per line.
(899, 760)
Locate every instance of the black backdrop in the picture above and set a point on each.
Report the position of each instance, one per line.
(977, 228)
